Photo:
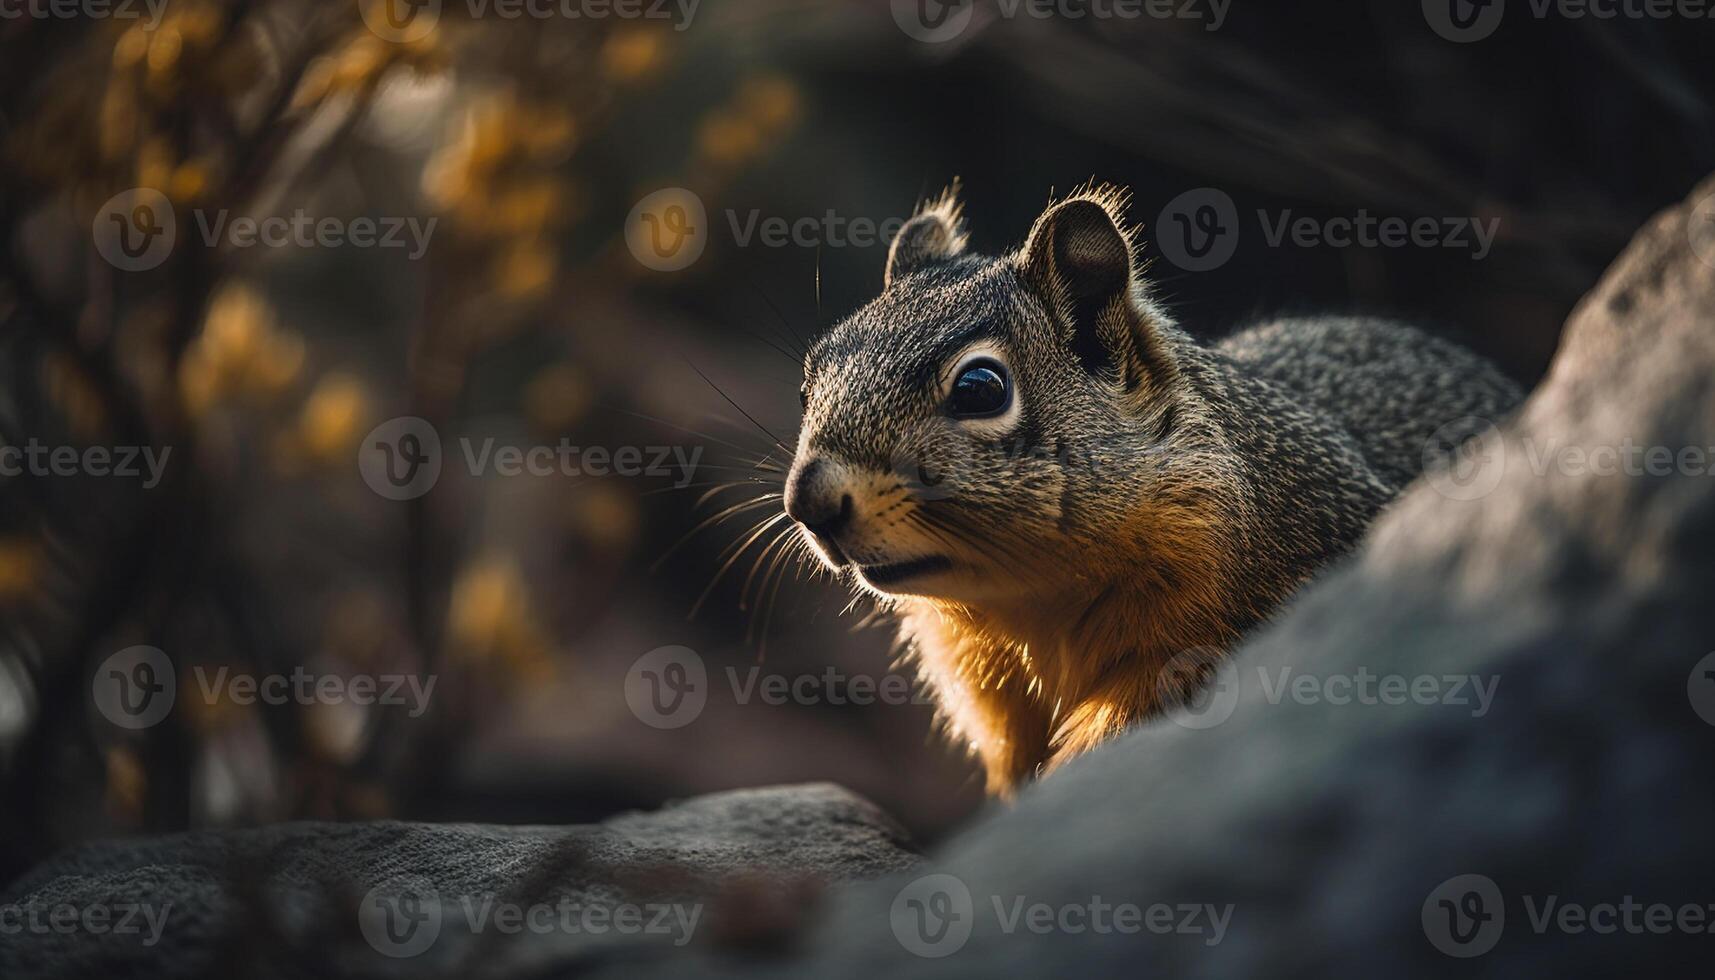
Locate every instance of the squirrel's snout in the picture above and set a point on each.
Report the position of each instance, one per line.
(816, 502)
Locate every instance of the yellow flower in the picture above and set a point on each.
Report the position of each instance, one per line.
(528, 206)
(131, 48)
(117, 127)
(770, 100)
(71, 391)
(604, 514)
(556, 397)
(333, 417)
(526, 269)
(20, 567)
(155, 163)
(630, 54)
(279, 360)
(491, 622)
(360, 62)
(728, 138)
(188, 182)
(127, 781)
(550, 132)
(165, 45)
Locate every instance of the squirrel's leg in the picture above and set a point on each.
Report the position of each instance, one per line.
(1009, 729)
(987, 699)
(1130, 692)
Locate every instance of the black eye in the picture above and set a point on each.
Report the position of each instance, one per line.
(981, 390)
(804, 396)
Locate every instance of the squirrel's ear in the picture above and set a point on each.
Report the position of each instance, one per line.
(934, 234)
(1078, 259)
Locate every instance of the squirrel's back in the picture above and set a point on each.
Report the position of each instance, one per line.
(1389, 385)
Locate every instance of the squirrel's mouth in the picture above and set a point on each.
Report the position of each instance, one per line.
(893, 573)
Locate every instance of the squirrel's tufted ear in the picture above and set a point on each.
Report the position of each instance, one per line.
(1079, 260)
(934, 234)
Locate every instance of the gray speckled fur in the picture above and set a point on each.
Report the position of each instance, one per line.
(1387, 384)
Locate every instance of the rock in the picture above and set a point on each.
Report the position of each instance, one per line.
(294, 899)
(1560, 828)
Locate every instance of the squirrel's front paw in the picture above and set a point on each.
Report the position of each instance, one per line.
(1089, 724)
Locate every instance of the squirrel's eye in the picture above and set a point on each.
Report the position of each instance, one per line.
(981, 390)
(804, 396)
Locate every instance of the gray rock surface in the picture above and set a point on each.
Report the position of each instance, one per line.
(295, 899)
(1336, 836)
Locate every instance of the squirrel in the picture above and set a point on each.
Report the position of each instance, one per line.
(1070, 506)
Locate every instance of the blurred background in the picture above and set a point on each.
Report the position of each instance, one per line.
(535, 313)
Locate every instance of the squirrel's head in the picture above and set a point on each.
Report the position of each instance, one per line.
(988, 427)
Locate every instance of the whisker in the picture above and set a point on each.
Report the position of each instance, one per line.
(756, 566)
(688, 431)
(802, 345)
(711, 521)
(740, 408)
(797, 550)
(760, 530)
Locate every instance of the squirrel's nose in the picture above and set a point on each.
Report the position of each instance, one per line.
(814, 501)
